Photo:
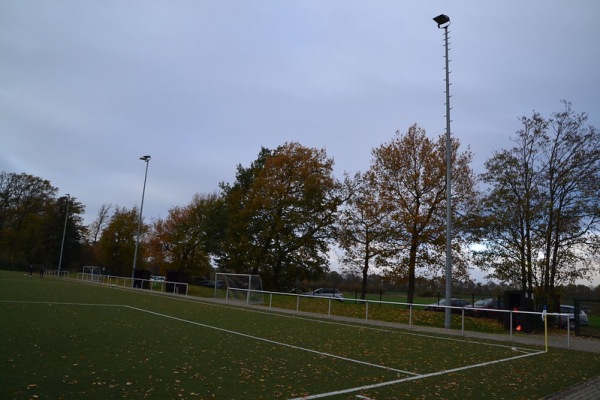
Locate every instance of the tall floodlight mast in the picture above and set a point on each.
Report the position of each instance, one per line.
(137, 239)
(443, 22)
(62, 244)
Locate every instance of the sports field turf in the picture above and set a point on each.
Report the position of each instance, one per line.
(62, 338)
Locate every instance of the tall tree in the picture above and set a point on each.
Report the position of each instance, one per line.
(182, 241)
(32, 222)
(61, 217)
(23, 201)
(572, 174)
(96, 227)
(410, 177)
(513, 207)
(90, 253)
(363, 227)
(543, 205)
(234, 245)
(281, 214)
(117, 242)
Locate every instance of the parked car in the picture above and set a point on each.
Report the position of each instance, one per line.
(217, 284)
(438, 306)
(198, 280)
(158, 278)
(483, 308)
(326, 292)
(570, 310)
(207, 282)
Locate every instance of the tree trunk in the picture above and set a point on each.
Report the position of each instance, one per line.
(365, 273)
(412, 261)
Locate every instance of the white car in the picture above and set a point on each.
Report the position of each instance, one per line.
(325, 292)
(562, 320)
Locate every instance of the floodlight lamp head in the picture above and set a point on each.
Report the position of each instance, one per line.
(442, 20)
(145, 158)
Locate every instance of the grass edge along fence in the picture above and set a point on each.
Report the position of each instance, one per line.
(368, 311)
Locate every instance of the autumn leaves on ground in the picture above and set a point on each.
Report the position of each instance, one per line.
(66, 339)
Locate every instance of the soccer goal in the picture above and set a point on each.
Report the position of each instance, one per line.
(243, 287)
(92, 273)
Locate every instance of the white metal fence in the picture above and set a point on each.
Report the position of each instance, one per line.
(56, 273)
(138, 283)
(514, 318)
(333, 308)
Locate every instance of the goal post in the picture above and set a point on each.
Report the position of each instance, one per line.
(243, 287)
(92, 273)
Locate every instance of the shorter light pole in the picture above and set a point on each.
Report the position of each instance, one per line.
(62, 245)
(137, 240)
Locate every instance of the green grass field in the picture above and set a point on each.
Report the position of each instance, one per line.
(594, 321)
(64, 339)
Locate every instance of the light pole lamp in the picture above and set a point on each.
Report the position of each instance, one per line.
(443, 22)
(62, 245)
(139, 226)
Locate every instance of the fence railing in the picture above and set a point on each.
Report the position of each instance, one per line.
(370, 311)
(56, 273)
(373, 311)
(136, 283)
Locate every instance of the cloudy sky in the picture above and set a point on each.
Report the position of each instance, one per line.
(87, 87)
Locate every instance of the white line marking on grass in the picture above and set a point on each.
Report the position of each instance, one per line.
(319, 319)
(58, 303)
(391, 329)
(360, 325)
(223, 330)
(272, 341)
(413, 378)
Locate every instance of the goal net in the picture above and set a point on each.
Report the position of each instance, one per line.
(92, 273)
(243, 287)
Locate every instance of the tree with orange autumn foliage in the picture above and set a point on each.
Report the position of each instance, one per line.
(363, 228)
(181, 242)
(280, 215)
(409, 177)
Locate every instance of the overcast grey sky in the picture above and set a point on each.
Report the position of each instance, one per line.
(87, 87)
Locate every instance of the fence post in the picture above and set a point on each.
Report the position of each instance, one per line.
(568, 332)
(510, 317)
